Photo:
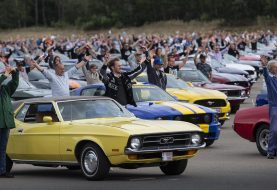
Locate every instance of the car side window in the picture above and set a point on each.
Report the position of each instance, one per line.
(21, 114)
(93, 92)
(34, 113)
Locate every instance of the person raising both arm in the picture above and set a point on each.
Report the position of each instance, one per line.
(202, 65)
(59, 79)
(270, 76)
(118, 84)
(6, 115)
(171, 67)
(155, 74)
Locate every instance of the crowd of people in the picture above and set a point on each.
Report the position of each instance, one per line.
(156, 54)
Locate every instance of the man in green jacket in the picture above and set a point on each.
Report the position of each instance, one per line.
(6, 115)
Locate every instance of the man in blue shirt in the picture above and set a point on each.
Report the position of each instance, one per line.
(270, 76)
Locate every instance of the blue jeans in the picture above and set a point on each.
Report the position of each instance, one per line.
(4, 136)
(272, 140)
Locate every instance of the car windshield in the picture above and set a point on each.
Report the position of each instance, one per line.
(91, 109)
(192, 76)
(173, 82)
(142, 78)
(150, 93)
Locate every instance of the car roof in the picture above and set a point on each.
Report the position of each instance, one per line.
(60, 99)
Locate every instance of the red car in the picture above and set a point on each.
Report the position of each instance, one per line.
(253, 124)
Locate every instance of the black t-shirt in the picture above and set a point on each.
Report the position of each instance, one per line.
(234, 53)
(172, 70)
(241, 46)
(125, 53)
(254, 46)
(121, 93)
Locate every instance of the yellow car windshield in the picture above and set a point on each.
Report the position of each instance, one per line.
(91, 109)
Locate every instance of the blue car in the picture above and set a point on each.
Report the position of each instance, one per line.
(154, 103)
(261, 98)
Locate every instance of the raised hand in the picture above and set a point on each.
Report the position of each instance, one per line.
(8, 70)
(106, 58)
(264, 61)
(88, 58)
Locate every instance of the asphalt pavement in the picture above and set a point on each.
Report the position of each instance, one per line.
(230, 163)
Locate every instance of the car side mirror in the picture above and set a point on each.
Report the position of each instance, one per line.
(190, 84)
(47, 119)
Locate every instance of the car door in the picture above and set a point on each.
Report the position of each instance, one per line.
(33, 139)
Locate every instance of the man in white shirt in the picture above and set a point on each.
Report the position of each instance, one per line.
(59, 80)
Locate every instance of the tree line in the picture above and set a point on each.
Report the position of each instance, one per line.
(96, 14)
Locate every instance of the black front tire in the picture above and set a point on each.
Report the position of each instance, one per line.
(209, 142)
(174, 168)
(222, 122)
(9, 164)
(235, 108)
(94, 163)
(262, 135)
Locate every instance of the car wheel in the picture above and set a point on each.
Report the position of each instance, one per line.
(174, 168)
(209, 142)
(94, 163)
(9, 164)
(222, 122)
(262, 136)
(235, 108)
(73, 167)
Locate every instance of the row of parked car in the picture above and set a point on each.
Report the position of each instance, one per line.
(189, 97)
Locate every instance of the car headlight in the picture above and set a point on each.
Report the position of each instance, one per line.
(207, 119)
(243, 93)
(135, 143)
(178, 118)
(195, 139)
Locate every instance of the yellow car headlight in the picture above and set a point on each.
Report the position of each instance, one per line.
(195, 139)
(135, 143)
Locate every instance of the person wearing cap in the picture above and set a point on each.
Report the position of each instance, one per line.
(270, 77)
(6, 115)
(202, 65)
(155, 74)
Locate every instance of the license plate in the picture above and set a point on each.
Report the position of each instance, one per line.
(218, 110)
(167, 156)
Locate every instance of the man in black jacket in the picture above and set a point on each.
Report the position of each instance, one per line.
(118, 85)
(155, 74)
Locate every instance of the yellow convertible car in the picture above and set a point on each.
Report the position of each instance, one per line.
(195, 95)
(96, 133)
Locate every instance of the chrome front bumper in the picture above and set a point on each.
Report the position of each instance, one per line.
(132, 151)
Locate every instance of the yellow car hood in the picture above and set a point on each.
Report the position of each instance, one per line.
(194, 93)
(139, 126)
